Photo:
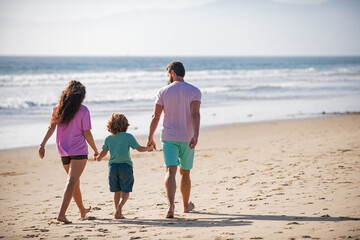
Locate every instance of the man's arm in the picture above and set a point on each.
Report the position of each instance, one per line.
(195, 119)
(154, 123)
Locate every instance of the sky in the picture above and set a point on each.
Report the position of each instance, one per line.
(180, 27)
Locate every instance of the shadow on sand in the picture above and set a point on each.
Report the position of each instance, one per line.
(206, 219)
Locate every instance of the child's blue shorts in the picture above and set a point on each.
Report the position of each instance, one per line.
(121, 177)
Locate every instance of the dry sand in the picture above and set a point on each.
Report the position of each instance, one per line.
(295, 179)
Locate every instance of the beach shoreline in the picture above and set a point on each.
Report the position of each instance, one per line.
(279, 179)
(203, 128)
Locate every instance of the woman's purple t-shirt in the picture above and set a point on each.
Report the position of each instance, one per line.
(70, 138)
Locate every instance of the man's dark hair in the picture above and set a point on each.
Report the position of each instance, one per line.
(177, 67)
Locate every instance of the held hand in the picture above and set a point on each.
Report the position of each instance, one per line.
(96, 153)
(193, 142)
(41, 152)
(152, 146)
(151, 142)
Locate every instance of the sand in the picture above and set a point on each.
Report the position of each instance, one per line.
(295, 179)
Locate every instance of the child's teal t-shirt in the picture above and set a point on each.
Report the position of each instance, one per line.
(118, 145)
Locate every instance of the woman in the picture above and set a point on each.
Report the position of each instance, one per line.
(73, 131)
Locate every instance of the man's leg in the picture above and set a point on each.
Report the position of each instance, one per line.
(170, 188)
(185, 188)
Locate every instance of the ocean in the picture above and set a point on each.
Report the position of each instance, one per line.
(235, 90)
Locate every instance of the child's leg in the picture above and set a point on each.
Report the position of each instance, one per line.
(117, 196)
(126, 182)
(124, 197)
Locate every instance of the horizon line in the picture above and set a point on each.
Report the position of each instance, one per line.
(195, 56)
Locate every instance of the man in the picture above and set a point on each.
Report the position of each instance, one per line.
(180, 102)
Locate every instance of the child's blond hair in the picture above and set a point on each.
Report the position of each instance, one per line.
(117, 123)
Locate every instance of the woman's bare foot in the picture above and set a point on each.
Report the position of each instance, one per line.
(118, 214)
(169, 214)
(190, 207)
(63, 219)
(84, 212)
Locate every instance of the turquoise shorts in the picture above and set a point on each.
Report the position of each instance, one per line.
(178, 153)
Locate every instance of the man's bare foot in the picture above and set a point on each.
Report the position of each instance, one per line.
(118, 214)
(63, 219)
(169, 214)
(190, 207)
(84, 212)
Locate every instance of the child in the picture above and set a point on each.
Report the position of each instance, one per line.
(121, 178)
(72, 120)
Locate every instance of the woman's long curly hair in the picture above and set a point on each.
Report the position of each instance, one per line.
(117, 123)
(69, 104)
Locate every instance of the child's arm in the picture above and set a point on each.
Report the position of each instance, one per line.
(89, 138)
(101, 155)
(48, 134)
(145, 149)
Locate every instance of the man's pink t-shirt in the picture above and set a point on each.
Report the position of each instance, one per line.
(70, 138)
(176, 99)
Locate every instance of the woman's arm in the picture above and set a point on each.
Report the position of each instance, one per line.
(89, 138)
(48, 134)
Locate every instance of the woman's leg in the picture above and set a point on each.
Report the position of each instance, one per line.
(77, 196)
(75, 170)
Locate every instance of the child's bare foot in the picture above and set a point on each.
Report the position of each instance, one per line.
(118, 214)
(63, 219)
(84, 212)
(190, 207)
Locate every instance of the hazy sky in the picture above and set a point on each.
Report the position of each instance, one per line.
(180, 27)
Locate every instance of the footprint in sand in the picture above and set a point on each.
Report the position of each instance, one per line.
(31, 236)
(293, 223)
(10, 174)
(306, 236)
(188, 236)
(103, 230)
